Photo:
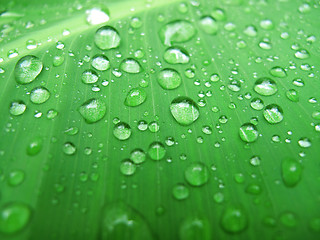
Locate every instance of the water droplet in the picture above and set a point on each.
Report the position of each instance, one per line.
(209, 25)
(51, 114)
(58, 61)
(250, 31)
(265, 87)
(69, 148)
(97, 15)
(71, 131)
(255, 161)
(16, 177)
(314, 224)
(278, 72)
(177, 32)
(130, 65)
(169, 79)
(248, 132)
(218, 197)
(93, 110)
(257, 104)
(138, 156)
(107, 38)
(180, 192)
(127, 167)
(39, 95)
(292, 95)
(234, 219)
(195, 228)
(101, 63)
(135, 97)
(273, 113)
(27, 69)
(197, 174)
(14, 217)
(219, 14)
(207, 130)
(266, 24)
(156, 151)
(122, 131)
(34, 146)
(176, 55)
(304, 142)
(265, 44)
(298, 82)
(89, 77)
(17, 108)
(154, 126)
(288, 219)
(291, 171)
(184, 110)
(253, 189)
(302, 54)
(142, 125)
(135, 22)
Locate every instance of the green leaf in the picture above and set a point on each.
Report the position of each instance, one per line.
(159, 119)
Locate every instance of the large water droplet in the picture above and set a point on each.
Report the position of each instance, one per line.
(17, 108)
(197, 174)
(176, 55)
(101, 63)
(177, 32)
(234, 219)
(169, 79)
(130, 65)
(107, 38)
(93, 110)
(39, 95)
(248, 132)
(14, 217)
(127, 167)
(265, 87)
(135, 97)
(302, 54)
(122, 131)
(273, 113)
(209, 25)
(156, 151)
(291, 171)
(184, 110)
(27, 69)
(89, 77)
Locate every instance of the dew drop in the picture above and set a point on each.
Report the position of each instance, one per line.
(16, 177)
(177, 32)
(135, 97)
(234, 219)
(257, 104)
(248, 133)
(278, 72)
(169, 79)
(100, 63)
(302, 54)
(127, 167)
(273, 113)
(196, 174)
(27, 69)
(209, 25)
(156, 151)
(17, 108)
(195, 228)
(69, 148)
(292, 95)
(184, 110)
(39, 95)
(291, 171)
(97, 15)
(122, 131)
(58, 61)
(93, 110)
(130, 65)
(304, 142)
(265, 87)
(176, 55)
(89, 77)
(107, 38)
(34, 146)
(250, 31)
(180, 192)
(138, 156)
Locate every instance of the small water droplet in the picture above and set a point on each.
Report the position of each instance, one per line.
(273, 113)
(304, 142)
(209, 25)
(176, 55)
(292, 95)
(180, 192)
(169, 79)
(15, 178)
(234, 219)
(156, 151)
(122, 131)
(265, 86)
(17, 108)
(34, 146)
(248, 132)
(278, 72)
(135, 97)
(184, 110)
(107, 38)
(89, 77)
(257, 104)
(197, 174)
(130, 65)
(39, 95)
(100, 63)
(138, 156)
(291, 171)
(93, 110)
(58, 61)
(127, 167)
(69, 148)
(250, 31)
(27, 69)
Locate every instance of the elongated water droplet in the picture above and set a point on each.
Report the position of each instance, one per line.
(304, 142)
(177, 32)
(184, 110)
(107, 38)
(291, 171)
(234, 220)
(122, 131)
(302, 54)
(93, 110)
(278, 72)
(156, 151)
(17, 108)
(39, 95)
(135, 97)
(197, 174)
(248, 133)
(176, 55)
(273, 113)
(89, 77)
(169, 79)
(27, 69)
(100, 63)
(209, 25)
(14, 217)
(130, 65)
(265, 87)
